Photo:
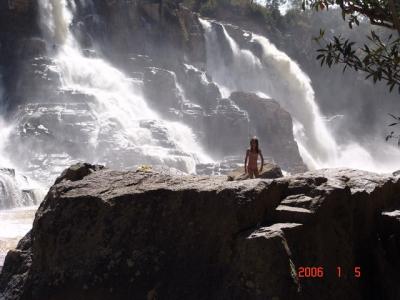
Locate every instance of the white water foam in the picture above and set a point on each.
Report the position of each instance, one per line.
(16, 190)
(115, 95)
(14, 224)
(276, 75)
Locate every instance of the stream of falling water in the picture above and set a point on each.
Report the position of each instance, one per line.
(276, 75)
(115, 95)
(14, 187)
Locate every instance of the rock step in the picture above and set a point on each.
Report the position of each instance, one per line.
(279, 228)
(289, 214)
(299, 200)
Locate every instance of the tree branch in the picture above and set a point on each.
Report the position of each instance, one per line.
(395, 16)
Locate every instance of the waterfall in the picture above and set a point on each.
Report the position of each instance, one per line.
(274, 74)
(55, 19)
(277, 76)
(16, 190)
(116, 98)
(10, 194)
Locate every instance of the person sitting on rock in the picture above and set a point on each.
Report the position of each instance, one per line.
(251, 158)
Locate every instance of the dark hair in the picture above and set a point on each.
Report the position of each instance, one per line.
(254, 138)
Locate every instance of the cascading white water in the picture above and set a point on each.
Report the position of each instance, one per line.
(16, 190)
(116, 98)
(14, 224)
(276, 75)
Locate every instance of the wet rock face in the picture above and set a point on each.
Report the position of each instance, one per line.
(160, 88)
(17, 40)
(273, 125)
(224, 126)
(167, 31)
(118, 235)
(49, 135)
(199, 87)
(227, 129)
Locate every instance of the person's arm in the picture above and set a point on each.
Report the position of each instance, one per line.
(262, 161)
(245, 162)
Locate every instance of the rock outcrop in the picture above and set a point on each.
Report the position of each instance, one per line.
(269, 171)
(147, 235)
(274, 126)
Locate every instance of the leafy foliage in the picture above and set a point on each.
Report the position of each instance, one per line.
(392, 134)
(292, 32)
(379, 57)
(379, 12)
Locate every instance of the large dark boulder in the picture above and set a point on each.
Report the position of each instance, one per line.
(148, 235)
(199, 87)
(269, 171)
(161, 90)
(226, 129)
(18, 43)
(274, 127)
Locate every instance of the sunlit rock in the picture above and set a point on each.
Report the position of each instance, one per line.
(115, 234)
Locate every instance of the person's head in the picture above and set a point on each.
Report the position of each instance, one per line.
(254, 144)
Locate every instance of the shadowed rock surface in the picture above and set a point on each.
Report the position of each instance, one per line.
(274, 126)
(269, 171)
(147, 235)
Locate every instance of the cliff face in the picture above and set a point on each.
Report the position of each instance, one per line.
(103, 234)
(18, 43)
(162, 51)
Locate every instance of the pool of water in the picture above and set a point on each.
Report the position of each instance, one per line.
(14, 224)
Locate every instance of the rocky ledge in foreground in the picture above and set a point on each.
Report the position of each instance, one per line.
(103, 234)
